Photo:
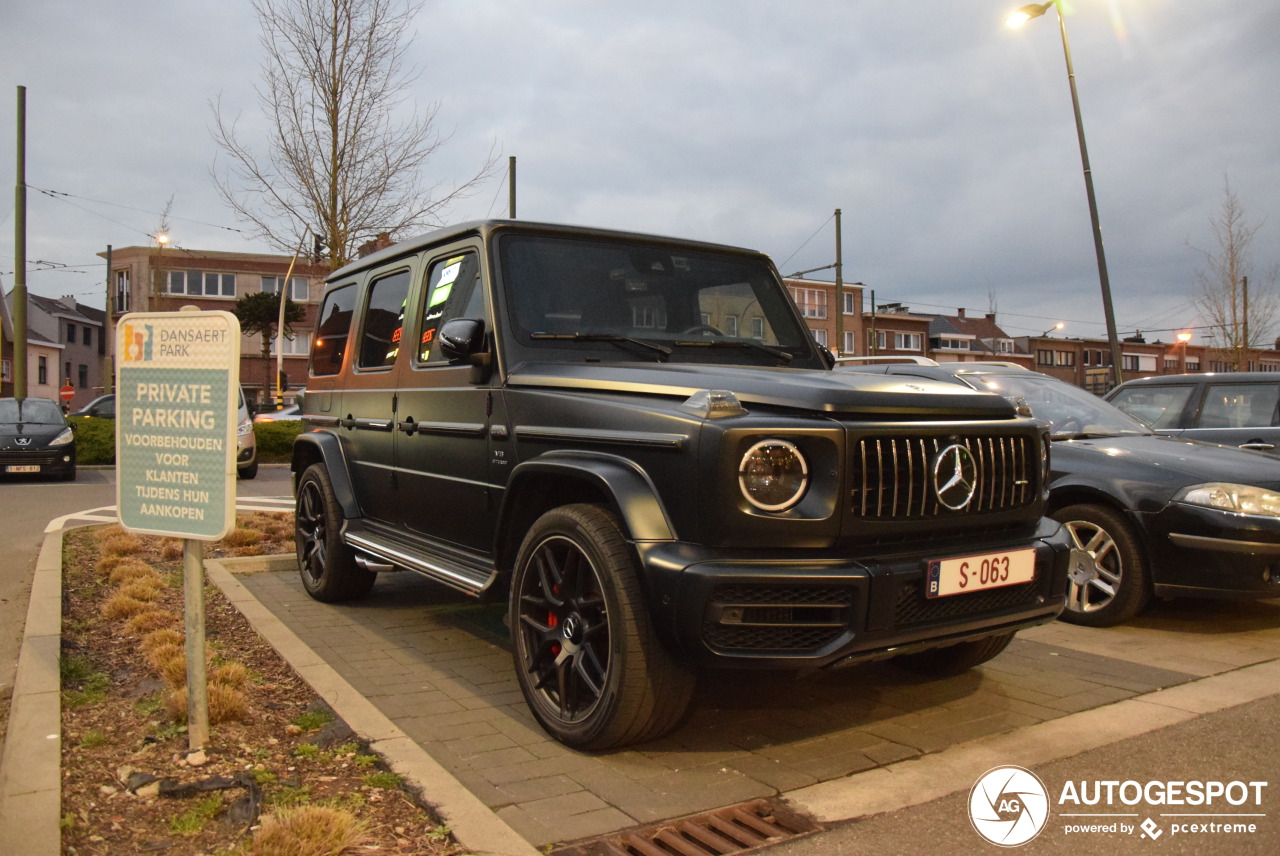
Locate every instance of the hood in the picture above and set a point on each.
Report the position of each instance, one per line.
(1166, 460)
(794, 389)
(39, 433)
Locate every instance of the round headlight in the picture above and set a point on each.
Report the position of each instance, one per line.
(773, 475)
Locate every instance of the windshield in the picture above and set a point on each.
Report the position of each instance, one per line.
(642, 302)
(1069, 410)
(32, 411)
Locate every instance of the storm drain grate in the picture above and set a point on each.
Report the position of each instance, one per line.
(724, 831)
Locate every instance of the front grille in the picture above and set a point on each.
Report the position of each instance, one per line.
(44, 458)
(893, 476)
(914, 608)
(776, 617)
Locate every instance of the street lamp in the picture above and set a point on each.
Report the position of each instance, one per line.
(1021, 16)
(1057, 326)
(1183, 338)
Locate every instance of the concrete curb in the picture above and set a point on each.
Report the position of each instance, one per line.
(474, 825)
(930, 777)
(31, 768)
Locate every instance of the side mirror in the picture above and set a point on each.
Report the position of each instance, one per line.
(462, 338)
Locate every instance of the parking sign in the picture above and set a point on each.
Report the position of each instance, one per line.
(177, 374)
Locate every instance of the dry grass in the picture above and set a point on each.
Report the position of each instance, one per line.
(171, 550)
(159, 638)
(122, 569)
(146, 588)
(225, 704)
(122, 606)
(230, 675)
(150, 621)
(307, 831)
(120, 544)
(242, 537)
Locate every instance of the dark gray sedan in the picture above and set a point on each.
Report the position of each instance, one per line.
(1232, 408)
(1156, 515)
(35, 439)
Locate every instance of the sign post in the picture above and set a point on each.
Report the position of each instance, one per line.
(177, 379)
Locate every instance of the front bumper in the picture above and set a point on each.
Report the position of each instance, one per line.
(805, 611)
(1207, 552)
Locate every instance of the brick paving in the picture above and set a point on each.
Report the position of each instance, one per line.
(437, 663)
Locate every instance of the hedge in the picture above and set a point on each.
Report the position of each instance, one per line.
(96, 440)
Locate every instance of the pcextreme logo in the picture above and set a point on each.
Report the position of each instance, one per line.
(1008, 806)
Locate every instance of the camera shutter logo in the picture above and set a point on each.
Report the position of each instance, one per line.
(955, 477)
(1008, 806)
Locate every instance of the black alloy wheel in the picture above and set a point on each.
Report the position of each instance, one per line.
(586, 655)
(329, 571)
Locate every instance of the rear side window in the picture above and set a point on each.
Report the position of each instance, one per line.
(1240, 405)
(384, 321)
(1156, 406)
(333, 330)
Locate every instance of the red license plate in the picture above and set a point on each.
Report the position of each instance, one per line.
(979, 572)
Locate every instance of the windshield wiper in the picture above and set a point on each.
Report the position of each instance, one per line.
(777, 353)
(661, 350)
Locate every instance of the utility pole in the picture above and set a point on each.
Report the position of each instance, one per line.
(108, 336)
(20, 255)
(511, 186)
(839, 290)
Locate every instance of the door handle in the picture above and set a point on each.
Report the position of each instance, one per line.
(408, 426)
(1258, 445)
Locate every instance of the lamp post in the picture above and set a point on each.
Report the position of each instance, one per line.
(1183, 338)
(1021, 16)
(1057, 326)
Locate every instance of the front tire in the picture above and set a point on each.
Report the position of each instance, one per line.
(248, 472)
(1120, 586)
(329, 571)
(955, 659)
(587, 657)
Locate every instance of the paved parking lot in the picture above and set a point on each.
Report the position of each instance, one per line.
(438, 665)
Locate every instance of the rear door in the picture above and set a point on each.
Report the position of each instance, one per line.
(1239, 413)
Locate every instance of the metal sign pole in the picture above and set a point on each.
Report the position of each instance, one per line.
(197, 679)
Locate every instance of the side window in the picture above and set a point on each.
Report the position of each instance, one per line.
(332, 331)
(384, 321)
(1240, 405)
(1157, 406)
(452, 292)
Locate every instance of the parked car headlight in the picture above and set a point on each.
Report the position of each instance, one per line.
(63, 439)
(1238, 498)
(773, 475)
(246, 427)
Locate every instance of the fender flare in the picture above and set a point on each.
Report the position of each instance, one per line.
(619, 478)
(328, 449)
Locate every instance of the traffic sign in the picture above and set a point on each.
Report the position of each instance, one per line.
(67, 393)
(177, 376)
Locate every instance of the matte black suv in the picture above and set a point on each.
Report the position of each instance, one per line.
(637, 443)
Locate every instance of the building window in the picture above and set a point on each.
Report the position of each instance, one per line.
(88, 336)
(757, 327)
(201, 283)
(850, 343)
(849, 306)
(1064, 358)
(1045, 358)
(123, 297)
(42, 370)
(71, 333)
(812, 302)
(953, 344)
(83, 376)
(297, 287)
(66, 373)
(299, 345)
(731, 325)
(820, 336)
(906, 341)
(875, 340)
(1193, 364)
(6, 370)
(1129, 362)
(1004, 346)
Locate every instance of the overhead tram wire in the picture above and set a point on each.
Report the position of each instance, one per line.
(806, 243)
(61, 195)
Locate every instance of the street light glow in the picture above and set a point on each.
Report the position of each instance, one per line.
(1026, 13)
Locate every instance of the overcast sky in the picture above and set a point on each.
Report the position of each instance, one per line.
(946, 137)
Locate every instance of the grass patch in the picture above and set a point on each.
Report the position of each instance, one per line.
(191, 821)
(82, 684)
(313, 720)
(92, 739)
(313, 829)
(382, 779)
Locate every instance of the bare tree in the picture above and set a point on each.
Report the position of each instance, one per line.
(341, 163)
(1236, 303)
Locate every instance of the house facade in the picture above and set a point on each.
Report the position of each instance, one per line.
(153, 279)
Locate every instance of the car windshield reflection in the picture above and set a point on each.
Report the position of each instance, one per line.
(1071, 412)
